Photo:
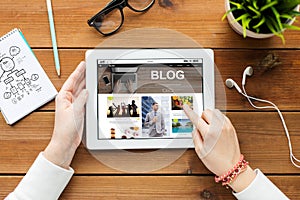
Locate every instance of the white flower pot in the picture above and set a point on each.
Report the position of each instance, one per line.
(239, 29)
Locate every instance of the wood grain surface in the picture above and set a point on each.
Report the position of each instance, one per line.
(183, 23)
(150, 187)
(262, 143)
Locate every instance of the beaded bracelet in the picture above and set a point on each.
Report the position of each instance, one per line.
(229, 176)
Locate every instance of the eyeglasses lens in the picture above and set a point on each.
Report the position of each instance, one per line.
(140, 5)
(107, 23)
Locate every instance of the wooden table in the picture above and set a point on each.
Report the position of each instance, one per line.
(260, 133)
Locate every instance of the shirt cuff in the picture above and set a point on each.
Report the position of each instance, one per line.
(44, 180)
(261, 188)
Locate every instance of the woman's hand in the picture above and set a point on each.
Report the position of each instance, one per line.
(69, 119)
(216, 144)
(215, 140)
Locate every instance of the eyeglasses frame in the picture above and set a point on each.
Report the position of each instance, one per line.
(115, 4)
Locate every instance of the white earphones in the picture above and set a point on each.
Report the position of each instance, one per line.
(248, 72)
(231, 83)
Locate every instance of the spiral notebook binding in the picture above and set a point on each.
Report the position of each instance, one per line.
(8, 34)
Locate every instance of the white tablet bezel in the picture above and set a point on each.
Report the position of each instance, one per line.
(91, 140)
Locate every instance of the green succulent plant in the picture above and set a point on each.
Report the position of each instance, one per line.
(264, 16)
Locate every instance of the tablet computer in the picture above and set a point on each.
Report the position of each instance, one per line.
(136, 96)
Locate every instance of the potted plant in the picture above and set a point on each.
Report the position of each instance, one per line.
(262, 18)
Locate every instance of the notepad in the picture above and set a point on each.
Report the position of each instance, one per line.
(24, 85)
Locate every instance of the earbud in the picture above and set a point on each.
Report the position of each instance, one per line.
(231, 83)
(247, 72)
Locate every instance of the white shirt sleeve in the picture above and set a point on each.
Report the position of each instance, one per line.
(261, 188)
(44, 180)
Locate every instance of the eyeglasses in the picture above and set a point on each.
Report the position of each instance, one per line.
(110, 19)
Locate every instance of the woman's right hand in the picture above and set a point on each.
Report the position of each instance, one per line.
(215, 140)
(216, 144)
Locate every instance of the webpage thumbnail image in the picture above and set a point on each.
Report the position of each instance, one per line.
(179, 101)
(122, 106)
(156, 116)
(123, 114)
(122, 117)
(182, 126)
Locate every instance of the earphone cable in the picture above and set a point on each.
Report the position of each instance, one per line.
(292, 157)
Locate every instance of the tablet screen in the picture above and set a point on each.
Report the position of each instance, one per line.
(143, 99)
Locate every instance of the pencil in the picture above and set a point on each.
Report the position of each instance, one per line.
(53, 37)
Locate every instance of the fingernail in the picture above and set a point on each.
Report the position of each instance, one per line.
(185, 107)
(82, 63)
